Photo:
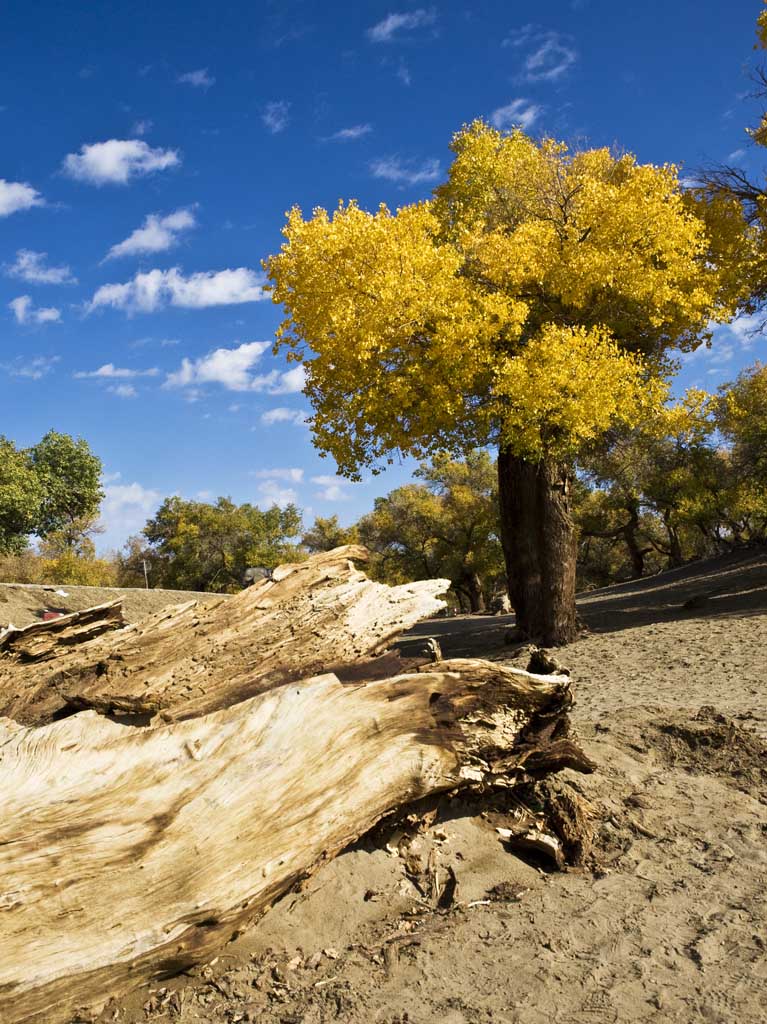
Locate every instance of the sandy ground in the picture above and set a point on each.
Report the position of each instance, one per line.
(670, 927)
(23, 603)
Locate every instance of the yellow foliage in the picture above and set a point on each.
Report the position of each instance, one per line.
(530, 304)
(761, 29)
(549, 406)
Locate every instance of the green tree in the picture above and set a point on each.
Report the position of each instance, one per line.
(327, 533)
(20, 497)
(194, 545)
(70, 478)
(446, 527)
(529, 306)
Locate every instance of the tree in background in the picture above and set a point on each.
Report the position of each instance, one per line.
(53, 488)
(195, 545)
(70, 478)
(445, 527)
(327, 533)
(529, 306)
(20, 497)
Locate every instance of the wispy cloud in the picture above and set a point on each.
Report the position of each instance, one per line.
(117, 161)
(357, 131)
(276, 116)
(283, 415)
(31, 369)
(142, 127)
(156, 234)
(126, 508)
(26, 313)
(332, 488)
(393, 168)
(273, 492)
(111, 372)
(123, 390)
(546, 55)
(294, 476)
(16, 196)
(393, 26)
(155, 289)
(403, 73)
(519, 112)
(199, 79)
(30, 266)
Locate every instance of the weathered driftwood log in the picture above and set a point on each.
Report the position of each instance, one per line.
(129, 853)
(193, 658)
(41, 641)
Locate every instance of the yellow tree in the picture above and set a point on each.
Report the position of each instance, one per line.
(530, 305)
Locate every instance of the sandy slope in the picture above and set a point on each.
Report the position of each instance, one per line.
(23, 603)
(671, 928)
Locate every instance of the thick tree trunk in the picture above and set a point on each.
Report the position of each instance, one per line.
(539, 545)
(471, 585)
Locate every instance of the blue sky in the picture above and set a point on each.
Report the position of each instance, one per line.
(150, 152)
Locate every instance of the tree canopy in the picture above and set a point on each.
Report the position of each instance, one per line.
(530, 304)
(53, 487)
(196, 545)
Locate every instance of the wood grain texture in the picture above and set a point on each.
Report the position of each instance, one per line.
(193, 658)
(129, 853)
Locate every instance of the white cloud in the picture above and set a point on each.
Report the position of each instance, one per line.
(228, 366)
(116, 161)
(386, 30)
(747, 329)
(403, 73)
(276, 116)
(548, 55)
(125, 510)
(332, 488)
(30, 266)
(356, 131)
(290, 382)
(34, 369)
(283, 415)
(16, 195)
(156, 234)
(150, 291)
(123, 390)
(518, 112)
(200, 79)
(232, 367)
(392, 168)
(736, 156)
(142, 127)
(111, 372)
(26, 313)
(270, 491)
(292, 475)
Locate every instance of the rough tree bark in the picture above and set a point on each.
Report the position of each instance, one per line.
(539, 546)
(131, 851)
(193, 658)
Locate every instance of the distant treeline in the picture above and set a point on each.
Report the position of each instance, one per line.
(690, 483)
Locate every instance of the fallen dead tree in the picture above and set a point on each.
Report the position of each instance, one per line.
(193, 658)
(129, 853)
(43, 640)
